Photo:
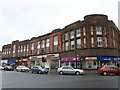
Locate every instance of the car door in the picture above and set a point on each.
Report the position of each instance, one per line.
(34, 69)
(114, 69)
(70, 70)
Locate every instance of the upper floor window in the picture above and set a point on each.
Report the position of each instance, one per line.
(84, 31)
(106, 41)
(98, 30)
(78, 43)
(14, 48)
(32, 48)
(66, 46)
(38, 45)
(21, 48)
(47, 45)
(78, 34)
(84, 42)
(99, 42)
(92, 41)
(91, 30)
(42, 44)
(27, 47)
(72, 34)
(56, 44)
(24, 48)
(66, 36)
(56, 40)
(72, 44)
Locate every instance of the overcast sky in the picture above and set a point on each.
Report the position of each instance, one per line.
(24, 19)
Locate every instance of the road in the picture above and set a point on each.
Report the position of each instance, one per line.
(12, 79)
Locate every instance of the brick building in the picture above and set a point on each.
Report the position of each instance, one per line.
(82, 44)
(90, 43)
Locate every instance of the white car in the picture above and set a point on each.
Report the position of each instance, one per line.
(70, 70)
(1, 68)
(22, 69)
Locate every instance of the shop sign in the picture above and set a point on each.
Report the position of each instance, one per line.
(25, 59)
(11, 61)
(70, 59)
(108, 58)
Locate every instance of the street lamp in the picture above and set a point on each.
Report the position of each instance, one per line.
(81, 59)
(43, 59)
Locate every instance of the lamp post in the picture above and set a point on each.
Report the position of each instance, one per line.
(81, 59)
(43, 59)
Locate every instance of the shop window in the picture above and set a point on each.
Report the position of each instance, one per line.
(94, 63)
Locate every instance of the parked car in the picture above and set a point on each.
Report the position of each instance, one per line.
(1, 68)
(8, 68)
(70, 70)
(22, 69)
(39, 70)
(109, 69)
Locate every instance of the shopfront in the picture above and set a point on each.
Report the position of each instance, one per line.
(25, 61)
(34, 61)
(108, 60)
(71, 61)
(90, 63)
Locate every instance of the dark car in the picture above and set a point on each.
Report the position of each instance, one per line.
(109, 69)
(39, 70)
(8, 68)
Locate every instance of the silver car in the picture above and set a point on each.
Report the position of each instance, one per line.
(69, 70)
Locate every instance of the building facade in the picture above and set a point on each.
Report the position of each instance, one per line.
(83, 44)
(119, 15)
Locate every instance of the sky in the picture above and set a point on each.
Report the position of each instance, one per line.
(24, 19)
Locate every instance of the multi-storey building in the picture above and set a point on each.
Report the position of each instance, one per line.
(89, 43)
(82, 44)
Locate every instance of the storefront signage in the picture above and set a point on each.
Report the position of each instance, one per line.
(11, 61)
(108, 58)
(70, 59)
(25, 59)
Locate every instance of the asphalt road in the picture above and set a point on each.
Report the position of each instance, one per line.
(12, 79)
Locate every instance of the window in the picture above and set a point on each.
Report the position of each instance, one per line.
(91, 30)
(92, 41)
(72, 35)
(56, 44)
(66, 36)
(32, 48)
(72, 45)
(84, 42)
(84, 32)
(38, 47)
(78, 34)
(106, 41)
(98, 30)
(47, 45)
(99, 42)
(78, 43)
(66, 46)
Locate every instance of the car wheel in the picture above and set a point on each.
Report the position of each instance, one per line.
(104, 73)
(39, 72)
(77, 73)
(61, 73)
(46, 72)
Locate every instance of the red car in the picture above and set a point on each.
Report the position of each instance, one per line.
(109, 69)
